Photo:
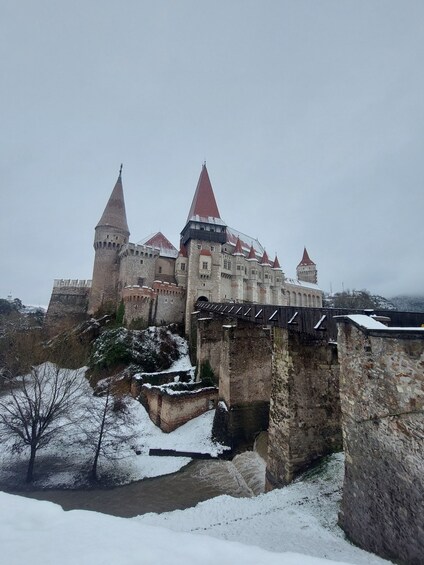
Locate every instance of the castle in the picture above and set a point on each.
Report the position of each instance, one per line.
(159, 284)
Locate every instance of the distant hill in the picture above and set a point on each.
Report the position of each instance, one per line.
(15, 315)
(358, 300)
(408, 303)
(363, 299)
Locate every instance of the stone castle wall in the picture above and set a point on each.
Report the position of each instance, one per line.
(382, 392)
(305, 419)
(170, 303)
(161, 304)
(68, 302)
(137, 265)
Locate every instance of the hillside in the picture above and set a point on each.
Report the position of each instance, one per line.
(408, 303)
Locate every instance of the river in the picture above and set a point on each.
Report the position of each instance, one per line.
(198, 481)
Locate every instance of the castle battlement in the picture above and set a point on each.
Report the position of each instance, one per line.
(139, 250)
(72, 283)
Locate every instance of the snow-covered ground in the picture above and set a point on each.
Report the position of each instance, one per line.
(296, 525)
(300, 518)
(67, 459)
(291, 526)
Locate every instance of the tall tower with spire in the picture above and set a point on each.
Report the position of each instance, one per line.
(307, 269)
(111, 233)
(202, 238)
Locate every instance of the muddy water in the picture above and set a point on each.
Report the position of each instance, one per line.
(198, 481)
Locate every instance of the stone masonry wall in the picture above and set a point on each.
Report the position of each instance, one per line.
(244, 384)
(68, 304)
(305, 408)
(382, 392)
(169, 411)
(209, 338)
(169, 304)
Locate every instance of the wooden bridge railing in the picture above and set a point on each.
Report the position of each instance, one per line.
(319, 323)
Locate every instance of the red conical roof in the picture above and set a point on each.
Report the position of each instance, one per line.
(252, 254)
(238, 250)
(204, 203)
(305, 259)
(114, 214)
(276, 264)
(265, 260)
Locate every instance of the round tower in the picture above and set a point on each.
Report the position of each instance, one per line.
(111, 233)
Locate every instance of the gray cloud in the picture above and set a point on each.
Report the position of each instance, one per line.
(309, 114)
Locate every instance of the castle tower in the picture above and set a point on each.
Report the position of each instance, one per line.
(111, 233)
(307, 270)
(203, 237)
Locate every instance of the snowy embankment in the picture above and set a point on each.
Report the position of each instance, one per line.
(64, 462)
(41, 533)
(295, 525)
(300, 518)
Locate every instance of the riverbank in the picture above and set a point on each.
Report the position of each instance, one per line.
(300, 518)
(65, 462)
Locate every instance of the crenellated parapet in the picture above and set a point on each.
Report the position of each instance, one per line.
(71, 283)
(162, 303)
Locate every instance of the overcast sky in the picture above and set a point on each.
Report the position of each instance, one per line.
(309, 115)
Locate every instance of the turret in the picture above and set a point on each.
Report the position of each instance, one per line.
(307, 270)
(111, 233)
(266, 279)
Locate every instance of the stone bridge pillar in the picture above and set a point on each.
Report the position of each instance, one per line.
(244, 384)
(209, 345)
(382, 393)
(305, 407)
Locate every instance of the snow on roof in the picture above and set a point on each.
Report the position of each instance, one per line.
(207, 220)
(246, 241)
(159, 241)
(370, 323)
(303, 284)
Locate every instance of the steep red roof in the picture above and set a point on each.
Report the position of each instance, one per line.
(305, 259)
(238, 250)
(114, 214)
(265, 259)
(160, 241)
(276, 264)
(204, 203)
(252, 254)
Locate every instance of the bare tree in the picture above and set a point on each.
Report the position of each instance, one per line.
(36, 407)
(107, 425)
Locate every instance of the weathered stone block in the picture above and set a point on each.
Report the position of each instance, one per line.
(382, 392)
